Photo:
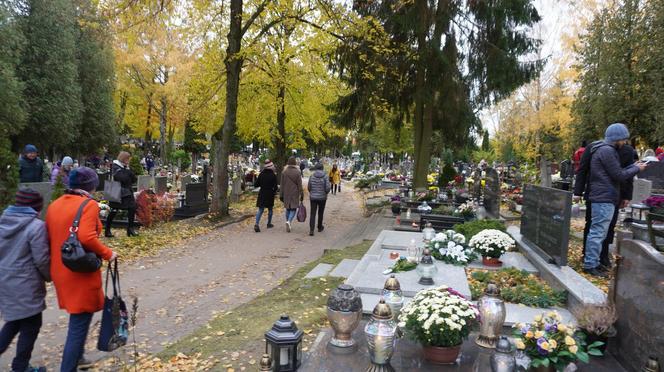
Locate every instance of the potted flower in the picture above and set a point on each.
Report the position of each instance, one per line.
(597, 321)
(440, 319)
(552, 345)
(450, 247)
(656, 204)
(491, 244)
(467, 210)
(395, 202)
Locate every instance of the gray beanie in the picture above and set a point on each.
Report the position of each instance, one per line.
(616, 132)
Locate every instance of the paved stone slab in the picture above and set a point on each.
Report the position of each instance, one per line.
(373, 279)
(517, 313)
(510, 259)
(320, 270)
(344, 268)
(399, 240)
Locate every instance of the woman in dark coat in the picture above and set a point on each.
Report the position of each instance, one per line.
(121, 173)
(267, 181)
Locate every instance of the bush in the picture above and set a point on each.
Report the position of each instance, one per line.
(469, 229)
(135, 165)
(8, 174)
(154, 209)
(446, 175)
(183, 156)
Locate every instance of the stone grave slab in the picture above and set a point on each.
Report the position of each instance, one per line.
(145, 182)
(160, 185)
(510, 259)
(655, 173)
(321, 269)
(195, 194)
(344, 268)
(642, 190)
(184, 181)
(492, 193)
(399, 240)
(545, 221)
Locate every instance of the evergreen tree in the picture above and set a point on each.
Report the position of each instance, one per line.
(486, 144)
(49, 69)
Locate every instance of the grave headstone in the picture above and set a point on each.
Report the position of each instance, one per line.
(184, 181)
(236, 189)
(545, 173)
(160, 185)
(144, 182)
(44, 188)
(655, 173)
(195, 194)
(545, 221)
(642, 190)
(566, 170)
(492, 193)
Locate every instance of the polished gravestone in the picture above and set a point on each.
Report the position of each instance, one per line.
(160, 185)
(545, 221)
(184, 181)
(195, 201)
(492, 193)
(642, 190)
(145, 183)
(655, 173)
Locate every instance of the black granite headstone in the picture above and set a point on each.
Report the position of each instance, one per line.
(655, 173)
(545, 221)
(196, 194)
(160, 185)
(566, 170)
(492, 193)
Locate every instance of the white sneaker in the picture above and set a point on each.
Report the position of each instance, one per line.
(288, 226)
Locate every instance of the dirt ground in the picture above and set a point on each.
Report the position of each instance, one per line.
(183, 287)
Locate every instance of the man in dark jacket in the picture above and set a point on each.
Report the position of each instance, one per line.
(603, 190)
(24, 267)
(267, 181)
(319, 186)
(30, 166)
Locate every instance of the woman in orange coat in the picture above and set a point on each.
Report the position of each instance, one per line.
(80, 294)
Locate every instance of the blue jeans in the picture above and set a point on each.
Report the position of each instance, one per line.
(602, 213)
(79, 324)
(27, 330)
(290, 214)
(260, 214)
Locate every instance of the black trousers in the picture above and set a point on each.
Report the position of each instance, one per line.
(335, 188)
(317, 206)
(131, 217)
(28, 330)
(604, 257)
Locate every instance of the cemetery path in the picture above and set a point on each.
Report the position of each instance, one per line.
(183, 288)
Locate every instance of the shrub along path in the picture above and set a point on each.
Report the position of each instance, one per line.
(184, 287)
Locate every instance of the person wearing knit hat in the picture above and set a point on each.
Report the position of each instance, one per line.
(25, 267)
(62, 169)
(30, 166)
(83, 178)
(606, 176)
(267, 181)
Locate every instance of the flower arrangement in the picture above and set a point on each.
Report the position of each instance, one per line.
(450, 246)
(491, 243)
(439, 317)
(466, 210)
(548, 341)
(402, 264)
(516, 286)
(104, 209)
(655, 202)
(425, 196)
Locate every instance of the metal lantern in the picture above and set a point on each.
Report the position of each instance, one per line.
(284, 344)
(393, 296)
(502, 359)
(381, 332)
(265, 364)
(652, 365)
(426, 268)
(424, 208)
(428, 232)
(492, 315)
(344, 311)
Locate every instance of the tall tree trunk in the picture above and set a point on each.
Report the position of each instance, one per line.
(222, 138)
(148, 130)
(281, 156)
(162, 129)
(421, 155)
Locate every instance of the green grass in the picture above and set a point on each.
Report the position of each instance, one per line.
(242, 329)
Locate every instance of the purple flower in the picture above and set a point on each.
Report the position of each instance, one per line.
(452, 291)
(540, 350)
(551, 328)
(525, 329)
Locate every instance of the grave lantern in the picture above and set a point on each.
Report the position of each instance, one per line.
(503, 360)
(284, 343)
(344, 311)
(426, 268)
(428, 232)
(639, 212)
(492, 315)
(393, 296)
(381, 332)
(265, 364)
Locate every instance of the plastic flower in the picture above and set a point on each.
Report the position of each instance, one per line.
(519, 344)
(569, 341)
(573, 349)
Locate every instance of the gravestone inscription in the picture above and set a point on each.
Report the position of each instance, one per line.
(642, 190)
(545, 221)
(492, 193)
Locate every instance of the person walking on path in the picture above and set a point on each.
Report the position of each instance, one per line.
(267, 181)
(80, 294)
(24, 269)
(335, 179)
(291, 193)
(319, 186)
(30, 166)
(62, 168)
(123, 174)
(606, 174)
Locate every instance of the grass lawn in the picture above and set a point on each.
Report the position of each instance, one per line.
(233, 340)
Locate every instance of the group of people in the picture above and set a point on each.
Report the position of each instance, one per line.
(291, 192)
(30, 256)
(604, 175)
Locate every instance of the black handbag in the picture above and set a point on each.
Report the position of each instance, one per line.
(114, 330)
(74, 256)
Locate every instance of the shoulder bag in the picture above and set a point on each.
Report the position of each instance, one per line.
(114, 330)
(74, 256)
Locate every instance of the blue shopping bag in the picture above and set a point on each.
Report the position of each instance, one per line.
(114, 319)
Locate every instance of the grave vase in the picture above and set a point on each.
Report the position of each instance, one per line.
(344, 311)
(491, 261)
(442, 355)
